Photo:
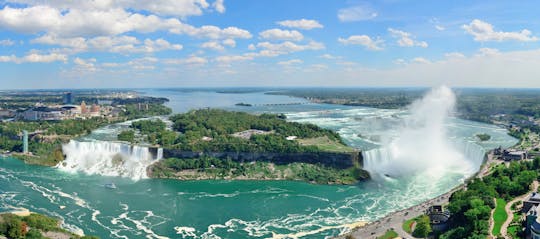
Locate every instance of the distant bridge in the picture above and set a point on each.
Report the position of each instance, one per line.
(284, 104)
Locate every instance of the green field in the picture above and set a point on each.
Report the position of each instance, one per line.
(407, 225)
(326, 144)
(389, 235)
(499, 216)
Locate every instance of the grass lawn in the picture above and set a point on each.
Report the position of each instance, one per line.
(390, 234)
(407, 225)
(324, 143)
(499, 216)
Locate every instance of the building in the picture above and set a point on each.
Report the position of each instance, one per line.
(514, 155)
(68, 98)
(95, 110)
(84, 110)
(438, 217)
(43, 113)
(532, 229)
(533, 200)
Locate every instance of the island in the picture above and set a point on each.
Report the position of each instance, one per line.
(219, 144)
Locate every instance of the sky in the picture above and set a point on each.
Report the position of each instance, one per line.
(279, 43)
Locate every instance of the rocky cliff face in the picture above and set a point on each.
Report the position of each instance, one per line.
(331, 159)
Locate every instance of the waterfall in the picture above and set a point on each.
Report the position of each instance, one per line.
(107, 158)
(423, 144)
(467, 159)
(159, 153)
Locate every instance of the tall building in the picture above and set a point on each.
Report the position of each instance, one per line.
(25, 141)
(68, 98)
(83, 108)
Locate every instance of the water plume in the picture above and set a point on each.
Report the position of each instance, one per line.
(422, 144)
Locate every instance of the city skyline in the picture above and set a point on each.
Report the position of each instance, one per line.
(199, 43)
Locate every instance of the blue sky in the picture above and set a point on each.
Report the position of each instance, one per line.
(211, 43)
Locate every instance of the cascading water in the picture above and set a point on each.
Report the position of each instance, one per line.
(107, 158)
(423, 145)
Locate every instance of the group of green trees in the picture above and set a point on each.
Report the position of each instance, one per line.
(135, 111)
(219, 125)
(471, 207)
(152, 131)
(31, 227)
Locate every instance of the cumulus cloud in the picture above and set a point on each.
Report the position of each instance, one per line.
(363, 40)
(290, 62)
(191, 60)
(74, 22)
(405, 39)
(483, 32)
(278, 34)
(213, 45)
(229, 42)
(177, 8)
(35, 58)
(329, 56)
(7, 42)
(218, 5)
(274, 49)
(85, 65)
(356, 13)
(233, 58)
(303, 24)
(119, 44)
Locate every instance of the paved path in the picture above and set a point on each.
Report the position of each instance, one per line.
(491, 222)
(510, 213)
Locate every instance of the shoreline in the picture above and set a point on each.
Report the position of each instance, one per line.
(376, 228)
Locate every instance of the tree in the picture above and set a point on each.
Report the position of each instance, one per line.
(128, 136)
(423, 228)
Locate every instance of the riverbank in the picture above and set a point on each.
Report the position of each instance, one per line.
(312, 173)
(394, 221)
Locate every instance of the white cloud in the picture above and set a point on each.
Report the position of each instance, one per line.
(304, 24)
(440, 28)
(233, 58)
(329, 57)
(83, 65)
(420, 60)
(274, 49)
(252, 47)
(213, 45)
(363, 40)
(406, 39)
(218, 5)
(229, 42)
(7, 42)
(454, 55)
(278, 34)
(290, 62)
(120, 44)
(177, 8)
(74, 22)
(488, 52)
(35, 58)
(356, 13)
(483, 31)
(191, 60)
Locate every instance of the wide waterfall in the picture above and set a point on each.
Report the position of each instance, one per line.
(108, 158)
(423, 144)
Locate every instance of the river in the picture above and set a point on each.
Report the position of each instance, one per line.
(157, 208)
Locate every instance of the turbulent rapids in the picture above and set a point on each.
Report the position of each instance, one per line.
(108, 158)
(232, 209)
